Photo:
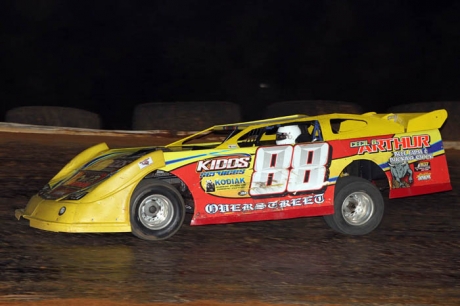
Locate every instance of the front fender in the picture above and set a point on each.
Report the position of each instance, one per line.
(127, 176)
(78, 161)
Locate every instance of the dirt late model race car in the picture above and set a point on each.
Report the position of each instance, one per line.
(280, 168)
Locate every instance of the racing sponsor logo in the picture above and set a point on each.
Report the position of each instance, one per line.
(221, 184)
(146, 162)
(210, 186)
(224, 176)
(410, 155)
(264, 206)
(401, 172)
(422, 166)
(424, 176)
(357, 144)
(231, 181)
(222, 173)
(224, 163)
(391, 144)
(402, 175)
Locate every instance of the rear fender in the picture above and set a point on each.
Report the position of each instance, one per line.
(421, 168)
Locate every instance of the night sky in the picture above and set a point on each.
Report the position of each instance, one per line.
(108, 56)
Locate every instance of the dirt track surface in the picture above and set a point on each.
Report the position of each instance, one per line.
(411, 259)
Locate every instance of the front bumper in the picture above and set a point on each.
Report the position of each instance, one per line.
(95, 217)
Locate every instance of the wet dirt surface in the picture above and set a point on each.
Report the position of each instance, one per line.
(411, 259)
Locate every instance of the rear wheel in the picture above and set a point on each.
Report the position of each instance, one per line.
(157, 210)
(358, 207)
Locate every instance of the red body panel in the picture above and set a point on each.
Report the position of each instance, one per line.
(431, 179)
(413, 164)
(211, 209)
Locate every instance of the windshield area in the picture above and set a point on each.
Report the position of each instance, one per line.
(245, 136)
(206, 139)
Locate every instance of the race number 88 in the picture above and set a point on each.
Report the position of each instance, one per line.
(289, 168)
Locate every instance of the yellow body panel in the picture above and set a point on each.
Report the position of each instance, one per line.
(104, 209)
(106, 215)
(79, 160)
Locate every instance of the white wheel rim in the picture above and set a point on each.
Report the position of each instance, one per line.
(156, 212)
(357, 208)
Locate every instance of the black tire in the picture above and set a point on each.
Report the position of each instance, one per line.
(184, 116)
(358, 207)
(311, 108)
(54, 116)
(157, 210)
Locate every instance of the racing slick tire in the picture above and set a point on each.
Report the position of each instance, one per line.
(54, 116)
(157, 210)
(184, 116)
(310, 107)
(358, 207)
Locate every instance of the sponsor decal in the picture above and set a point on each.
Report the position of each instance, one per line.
(225, 184)
(410, 155)
(422, 166)
(222, 173)
(401, 172)
(146, 162)
(424, 176)
(223, 163)
(361, 143)
(210, 186)
(264, 206)
(231, 181)
(224, 176)
(402, 175)
(392, 144)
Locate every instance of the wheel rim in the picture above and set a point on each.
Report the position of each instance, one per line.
(156, 212)
(357, 208)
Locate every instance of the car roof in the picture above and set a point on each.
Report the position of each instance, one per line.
(269, 121)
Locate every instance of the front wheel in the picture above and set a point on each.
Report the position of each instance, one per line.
(358, 207)
(157, 210)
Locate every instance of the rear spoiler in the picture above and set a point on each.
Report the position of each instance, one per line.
(418, 121)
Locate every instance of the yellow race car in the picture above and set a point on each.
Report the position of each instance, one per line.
(289, 167)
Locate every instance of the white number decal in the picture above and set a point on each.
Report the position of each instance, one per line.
(271, 170)
(287, 168)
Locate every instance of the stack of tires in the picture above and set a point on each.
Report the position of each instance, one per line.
(54, 116)
(311, 108)
(184, 116)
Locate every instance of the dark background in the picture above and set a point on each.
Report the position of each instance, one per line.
(108, 56)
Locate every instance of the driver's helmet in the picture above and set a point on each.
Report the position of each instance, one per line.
(287, 134)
